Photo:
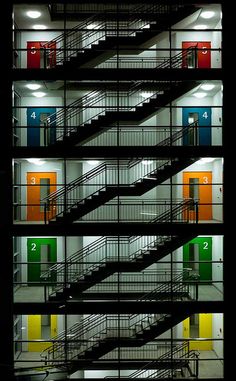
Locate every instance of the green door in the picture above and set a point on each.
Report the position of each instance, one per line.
(199, 250)
(40, 251)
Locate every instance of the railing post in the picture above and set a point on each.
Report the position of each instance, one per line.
(197, 209)
(195, 57)
(196, 290)
(45, 212)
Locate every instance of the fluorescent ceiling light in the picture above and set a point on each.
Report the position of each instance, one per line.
(33, 86)
(39, 94)
(207, 86)
(92, 162)
(33, 14)
(207, 14)
(36, 161)
(39, 26)
(200, 26)
(205, 160)
(200, 95)
(147, 162)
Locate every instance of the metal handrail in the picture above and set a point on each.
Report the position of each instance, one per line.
(102, 26)
(53, 198)
(86, 327)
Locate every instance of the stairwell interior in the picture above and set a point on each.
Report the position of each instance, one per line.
(117, 210)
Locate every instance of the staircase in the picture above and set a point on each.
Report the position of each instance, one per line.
(80, 273)
(179, 358)
(94, 336)
(96, 39)
(70, 130)
(57, 212)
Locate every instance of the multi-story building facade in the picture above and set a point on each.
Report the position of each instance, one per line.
(114, 208)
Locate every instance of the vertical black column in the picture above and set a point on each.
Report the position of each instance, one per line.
(229, 134)
(6, 279)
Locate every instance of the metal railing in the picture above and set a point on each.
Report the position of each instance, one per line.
(103, 178)
(83, 338)
(82, 112)
(92, 31)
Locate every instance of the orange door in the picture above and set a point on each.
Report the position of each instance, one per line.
(198, 185)
(39, 185)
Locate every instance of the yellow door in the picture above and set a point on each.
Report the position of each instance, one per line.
(199, 326)
(41, 327)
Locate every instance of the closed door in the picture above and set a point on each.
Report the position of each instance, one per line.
(33, 54)
(41, 327)
(41, 54)
(197, 255)
(198, 326)
(196, 54)
(38, 134)
(42, 254)
(39, 186)
(198, 186)
(199, 120)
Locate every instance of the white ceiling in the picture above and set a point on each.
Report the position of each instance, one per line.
(24, 22)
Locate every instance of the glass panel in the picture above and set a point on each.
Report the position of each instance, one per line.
(45, 326)
(45, 257)
(193, 190)
(193, 132)
(191, 59)
(194, 257)
(194, 326)
(44, 191)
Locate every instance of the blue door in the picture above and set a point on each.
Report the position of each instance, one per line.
(37, 136)
(200, 119)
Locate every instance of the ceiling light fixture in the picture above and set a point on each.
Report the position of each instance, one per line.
(147, 162)
(92, 162)
(205, 160)
(199, 95)
(39, 94)
(33, 86)
(39, 27)
(207, 86)
(200, 26)
(33, 14)
(36, 161)
(207, 14)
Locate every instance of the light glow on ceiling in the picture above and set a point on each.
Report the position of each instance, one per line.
(39, 94)
(33, 86)
(207, 14)
(147, 162)
(199, 95)
(36, 161)
(33, 14)
(92, 162)
(207, 86)
(39, 27)
(200, 26)
(205, 160)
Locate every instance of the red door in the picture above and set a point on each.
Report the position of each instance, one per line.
(33, 55)
(41, 54)
(196, 54)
